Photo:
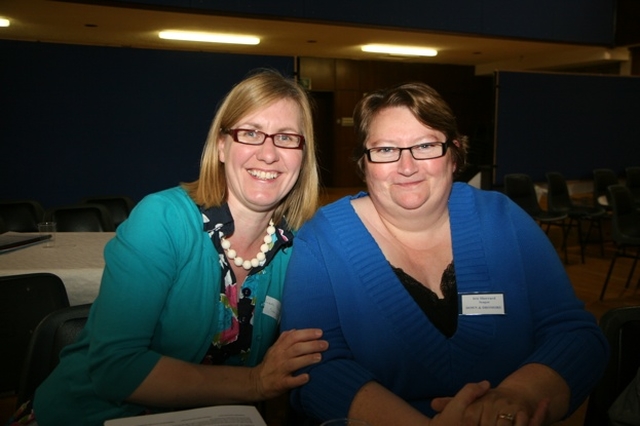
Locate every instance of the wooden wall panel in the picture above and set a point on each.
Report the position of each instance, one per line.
(344, 169)
(635, 60)
(470, 97)
(320, 71)
(348, 74)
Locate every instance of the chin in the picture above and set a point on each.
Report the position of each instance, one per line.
(410, 203)
(266, 201)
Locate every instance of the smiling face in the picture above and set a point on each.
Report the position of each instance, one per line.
(407, 184)
(259, 177)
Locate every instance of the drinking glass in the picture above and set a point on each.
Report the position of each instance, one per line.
(48, 228)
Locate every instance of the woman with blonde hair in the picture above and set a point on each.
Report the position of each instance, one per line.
(189, 304)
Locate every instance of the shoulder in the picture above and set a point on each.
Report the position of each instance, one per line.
(167, 197)
(465, 194)
(330, 220)
(169, 213)
(170, 202)
(463, 191)
(485, 204)
(336, 210)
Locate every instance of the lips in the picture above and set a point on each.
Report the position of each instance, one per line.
(412, 183)
(260, 174)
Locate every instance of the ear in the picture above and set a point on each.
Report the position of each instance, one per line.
(221, 145)
(455, 165)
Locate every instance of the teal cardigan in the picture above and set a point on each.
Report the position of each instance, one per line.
(159, 296)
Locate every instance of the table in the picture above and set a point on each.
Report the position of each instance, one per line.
(77, 258)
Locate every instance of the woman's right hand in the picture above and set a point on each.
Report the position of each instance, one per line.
(294, 349)
(451, 410)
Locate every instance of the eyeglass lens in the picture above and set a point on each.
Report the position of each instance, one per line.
(256, 137)
(425, 151)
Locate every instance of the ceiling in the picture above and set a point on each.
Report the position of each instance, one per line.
(89, 24)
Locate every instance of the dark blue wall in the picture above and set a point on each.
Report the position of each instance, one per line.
(77, 121)
(579, 21)
(566, 123)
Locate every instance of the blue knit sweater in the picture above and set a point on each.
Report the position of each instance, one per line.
(340, 281)
(159, 295)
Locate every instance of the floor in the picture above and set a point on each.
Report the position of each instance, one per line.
(587, 280)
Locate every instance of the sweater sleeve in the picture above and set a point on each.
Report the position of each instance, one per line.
(309, 301)
(567, 337)
(140, 268)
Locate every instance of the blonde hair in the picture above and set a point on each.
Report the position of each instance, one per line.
(257, 91)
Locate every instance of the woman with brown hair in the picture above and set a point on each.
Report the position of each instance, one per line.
(442, 304)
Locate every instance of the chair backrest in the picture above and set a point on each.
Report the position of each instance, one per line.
(53, 333)
(558, 198)
(621, 327)
(602, 179)
(519, 187)
(81, 218)
(21, 215)
(625, 219)
(632, 180)
(119, 206)
(632, 176)
(24, 301)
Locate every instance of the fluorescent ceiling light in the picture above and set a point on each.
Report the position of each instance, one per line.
(4, 22)
(399, 50)
(208, 37)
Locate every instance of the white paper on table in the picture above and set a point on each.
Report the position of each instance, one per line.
(221, 415)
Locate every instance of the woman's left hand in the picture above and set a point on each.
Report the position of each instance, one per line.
(499, 407)
(294, 349)
(533, 395)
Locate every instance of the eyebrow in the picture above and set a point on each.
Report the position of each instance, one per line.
(254, 126)
(418, 141)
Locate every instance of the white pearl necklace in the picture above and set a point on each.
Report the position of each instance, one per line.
(260, 257)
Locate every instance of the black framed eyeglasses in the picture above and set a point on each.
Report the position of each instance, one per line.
(423, 151)
(256, 137)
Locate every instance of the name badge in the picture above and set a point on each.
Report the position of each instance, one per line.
(272, 308)
(482, 304)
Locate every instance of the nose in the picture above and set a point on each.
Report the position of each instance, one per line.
(406, 163)
(268, 151)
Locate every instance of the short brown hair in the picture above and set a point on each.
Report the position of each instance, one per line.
(257, 91)
(424, 102)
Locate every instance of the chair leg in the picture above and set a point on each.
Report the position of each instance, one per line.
(606, 281)
(581, 242)
(599, 222)
(633, 268)
(595, 223)
(638, 257)
(563, 244)
(565, 233)
(589, 228)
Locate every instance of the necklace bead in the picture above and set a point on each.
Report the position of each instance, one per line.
(260, 256)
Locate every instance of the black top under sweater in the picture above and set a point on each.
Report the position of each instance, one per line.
(443, 313)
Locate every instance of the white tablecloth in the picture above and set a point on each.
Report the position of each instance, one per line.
(77, 258)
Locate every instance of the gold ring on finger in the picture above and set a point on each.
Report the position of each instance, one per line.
(506, 416)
